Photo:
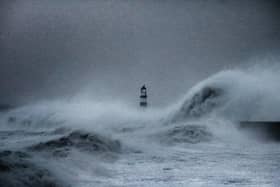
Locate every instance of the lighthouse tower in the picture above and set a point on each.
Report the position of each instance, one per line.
(143, 96)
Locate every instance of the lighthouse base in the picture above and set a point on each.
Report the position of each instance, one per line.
(143, 104)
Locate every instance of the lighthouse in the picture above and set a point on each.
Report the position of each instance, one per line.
(143, 96)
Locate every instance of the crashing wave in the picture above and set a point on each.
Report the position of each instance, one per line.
(201, 103)
(16, 169)
(186, 134)
(235, 95)
(84, 141)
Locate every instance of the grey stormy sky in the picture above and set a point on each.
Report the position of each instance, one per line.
(108, 48)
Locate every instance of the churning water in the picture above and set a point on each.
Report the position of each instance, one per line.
(195, 142)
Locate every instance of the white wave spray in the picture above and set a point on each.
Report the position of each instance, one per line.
(60, 133)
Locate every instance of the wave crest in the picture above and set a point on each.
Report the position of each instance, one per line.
(186, 134)
(84, 141)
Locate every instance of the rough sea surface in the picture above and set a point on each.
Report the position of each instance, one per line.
(196, 142)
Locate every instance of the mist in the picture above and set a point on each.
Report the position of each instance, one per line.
(107, 49)
(73, 69)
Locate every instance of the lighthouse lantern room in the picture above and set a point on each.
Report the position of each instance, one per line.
(143, 96)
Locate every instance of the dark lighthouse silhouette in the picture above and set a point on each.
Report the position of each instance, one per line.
(143, 96)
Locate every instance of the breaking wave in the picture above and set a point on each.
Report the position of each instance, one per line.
(83, 141)
(186, 134)
(64, 132)
(234, 94)
(17, 169)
